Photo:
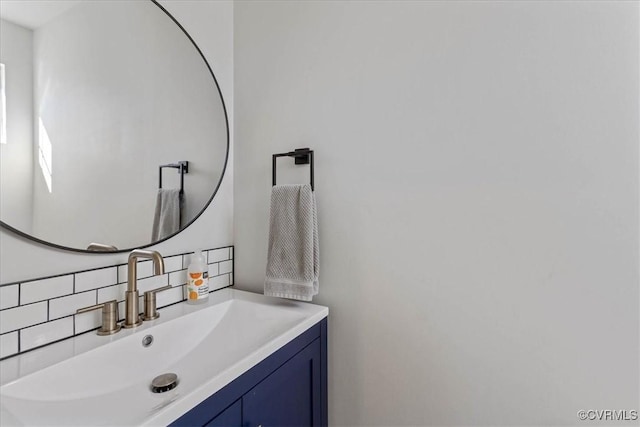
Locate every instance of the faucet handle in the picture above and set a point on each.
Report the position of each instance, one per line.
(150, 312)
(109, 316)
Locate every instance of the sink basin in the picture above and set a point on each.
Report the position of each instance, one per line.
(92, 380)
(124, 363)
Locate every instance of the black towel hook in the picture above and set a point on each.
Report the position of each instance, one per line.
(302, 156)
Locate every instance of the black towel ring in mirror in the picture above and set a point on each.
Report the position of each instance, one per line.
(302, 156)
(182, 166)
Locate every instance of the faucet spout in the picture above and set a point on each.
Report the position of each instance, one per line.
(132, 312)
(132, 274)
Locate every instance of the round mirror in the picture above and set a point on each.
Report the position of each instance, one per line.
(114, 131)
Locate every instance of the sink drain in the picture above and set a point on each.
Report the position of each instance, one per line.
(147, 340)
(164, 382)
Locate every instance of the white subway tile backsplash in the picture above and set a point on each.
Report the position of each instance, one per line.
(121, 310)
(218, 282)
(172, 263)
(178, 278)
(170, 296)
(115, 292)
(143, 269)
(45, 333)
(152, 282)
(87, 321)
(219, 255)
(8, 296)
(40, 290)
(8, 344)
(94, 279)
(66, 306)
(122, 273)
(38, 312)
(23, 316)
(226, 267)
(213, 269)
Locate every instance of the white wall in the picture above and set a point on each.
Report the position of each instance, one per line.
(16, 166)
(477, 183)
(121, 91)
(210, 23)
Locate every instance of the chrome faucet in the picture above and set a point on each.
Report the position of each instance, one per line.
(131, 296)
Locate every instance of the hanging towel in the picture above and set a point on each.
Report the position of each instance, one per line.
(166, 220)
(292, 260)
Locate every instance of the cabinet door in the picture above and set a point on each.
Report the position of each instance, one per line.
(290, 396)
(230, 417)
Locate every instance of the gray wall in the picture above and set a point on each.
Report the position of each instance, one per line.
(477, 183)
(16, 157)
(22, 259)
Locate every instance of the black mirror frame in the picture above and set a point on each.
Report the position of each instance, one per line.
(215, 191)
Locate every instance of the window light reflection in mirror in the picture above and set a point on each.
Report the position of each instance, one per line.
(3, 106)
(44, 154)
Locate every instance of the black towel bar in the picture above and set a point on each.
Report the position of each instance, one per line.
(302, 156)
(182, 166)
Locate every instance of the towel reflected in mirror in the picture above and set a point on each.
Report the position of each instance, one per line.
(166, 221)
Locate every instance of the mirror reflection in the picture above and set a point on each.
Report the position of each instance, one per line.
(96, 97)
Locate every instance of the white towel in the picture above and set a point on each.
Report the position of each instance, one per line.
(166, 220)
(292, 261)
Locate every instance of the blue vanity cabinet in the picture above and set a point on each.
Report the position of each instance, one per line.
(289, 396)
(288, 388)
(232, 416)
